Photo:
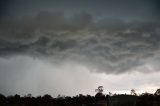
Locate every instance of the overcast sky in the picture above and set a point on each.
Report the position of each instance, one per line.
(69, 47)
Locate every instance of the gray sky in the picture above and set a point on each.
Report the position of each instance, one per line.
(71, 47)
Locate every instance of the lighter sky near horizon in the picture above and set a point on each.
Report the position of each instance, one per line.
(71, 47)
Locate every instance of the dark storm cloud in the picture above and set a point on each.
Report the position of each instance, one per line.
(133, 9)
(107, 45)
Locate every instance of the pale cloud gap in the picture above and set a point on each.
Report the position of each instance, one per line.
(112, 46)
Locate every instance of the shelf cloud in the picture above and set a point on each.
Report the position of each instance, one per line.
(109, 45)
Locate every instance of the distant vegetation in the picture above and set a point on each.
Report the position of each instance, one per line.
(145, 99)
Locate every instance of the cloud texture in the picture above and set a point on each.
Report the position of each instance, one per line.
(103, 45)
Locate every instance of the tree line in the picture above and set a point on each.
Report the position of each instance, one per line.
(145, 99)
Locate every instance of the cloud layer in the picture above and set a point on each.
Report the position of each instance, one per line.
(103, 45)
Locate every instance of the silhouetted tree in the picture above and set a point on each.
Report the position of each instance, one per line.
(29, 95)
(2, 99)
(133, 92)
(99, 89)
(157, 92)
(110, 94)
